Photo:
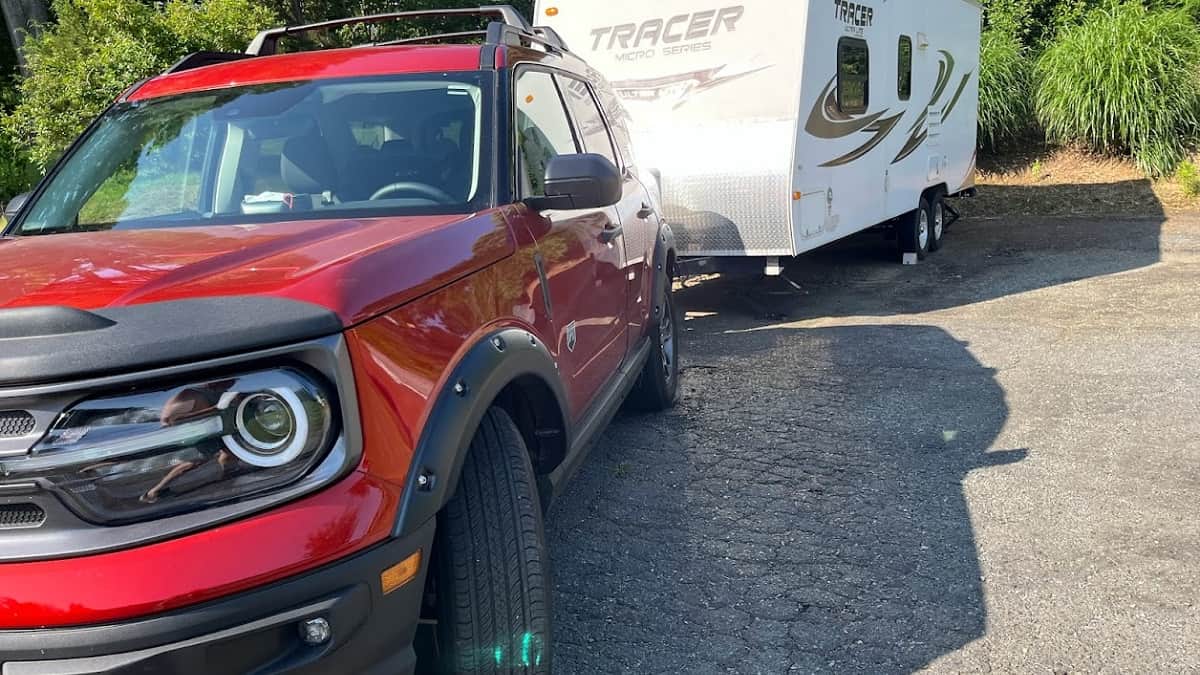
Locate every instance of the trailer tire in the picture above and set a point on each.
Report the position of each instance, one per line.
(937, 220)
(493, 586)
(913, 231)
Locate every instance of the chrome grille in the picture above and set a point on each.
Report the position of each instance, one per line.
(16, 423)
(13, 516)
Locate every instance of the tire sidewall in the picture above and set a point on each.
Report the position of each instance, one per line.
(936, 208)
(451, 607)
(671, 384)
(909, 239)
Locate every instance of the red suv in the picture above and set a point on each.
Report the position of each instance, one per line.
(296, 348)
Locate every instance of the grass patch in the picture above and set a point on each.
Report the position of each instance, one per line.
(1125, 80)
(1005, 89)
(1188, 178)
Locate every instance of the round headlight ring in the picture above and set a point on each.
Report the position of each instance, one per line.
(265, 435)
(267, 454)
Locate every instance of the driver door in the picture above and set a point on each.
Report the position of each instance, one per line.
(582, 251)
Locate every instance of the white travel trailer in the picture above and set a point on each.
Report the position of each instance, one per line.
(777, 126)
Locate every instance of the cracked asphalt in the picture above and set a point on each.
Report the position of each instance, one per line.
(986, 462)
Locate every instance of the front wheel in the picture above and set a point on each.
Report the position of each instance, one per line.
(658, 386)
(492, 584)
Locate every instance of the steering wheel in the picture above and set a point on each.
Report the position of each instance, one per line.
(422, 189)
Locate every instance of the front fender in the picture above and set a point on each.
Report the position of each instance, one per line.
(477, 379)
(664, 248)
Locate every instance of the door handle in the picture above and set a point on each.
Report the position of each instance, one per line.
(646, 211)
(610, 233)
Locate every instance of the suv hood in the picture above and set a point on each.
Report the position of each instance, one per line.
(356, 268)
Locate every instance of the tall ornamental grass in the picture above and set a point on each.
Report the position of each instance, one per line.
(1005, 89)
(1126, 79)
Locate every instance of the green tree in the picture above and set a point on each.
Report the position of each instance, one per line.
(308, 11)
(98, 48)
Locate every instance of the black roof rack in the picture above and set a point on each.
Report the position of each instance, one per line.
(201, 59)
(510, 28)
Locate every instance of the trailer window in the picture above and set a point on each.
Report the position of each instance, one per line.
(904, 83)
(543, 129)
(854, 74)
(589, 121)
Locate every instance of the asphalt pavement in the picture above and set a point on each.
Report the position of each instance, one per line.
(988, 462)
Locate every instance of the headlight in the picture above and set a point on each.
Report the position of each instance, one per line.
(149, 454)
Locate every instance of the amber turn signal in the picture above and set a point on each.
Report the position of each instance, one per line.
(551, 11)
(401, 573)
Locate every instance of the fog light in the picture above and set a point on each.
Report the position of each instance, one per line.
(315, 631)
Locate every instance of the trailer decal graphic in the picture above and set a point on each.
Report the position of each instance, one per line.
(918, 133)
(679, 28)
(681, 86)
(957, 95)
(828, 122)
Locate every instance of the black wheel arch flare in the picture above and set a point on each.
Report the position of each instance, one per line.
(664, 249)
(487, 369)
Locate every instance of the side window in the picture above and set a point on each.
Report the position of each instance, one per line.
(592, 130)
(543, 129)
(854, 75)
(904, 82)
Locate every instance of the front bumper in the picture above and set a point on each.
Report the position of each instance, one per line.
(257, 631)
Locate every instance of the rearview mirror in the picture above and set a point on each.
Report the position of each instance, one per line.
(14, 205)
(585, 181)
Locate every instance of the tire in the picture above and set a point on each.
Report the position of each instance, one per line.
(493, 597)
(657, 387)
(913, 231)
(937, 221)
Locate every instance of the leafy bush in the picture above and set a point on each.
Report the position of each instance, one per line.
(98, 48)
(1188, 177)
(17, 173)
(1005, 89)
(1126, 79)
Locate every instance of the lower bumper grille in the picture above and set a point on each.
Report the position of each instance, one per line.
(13, 516)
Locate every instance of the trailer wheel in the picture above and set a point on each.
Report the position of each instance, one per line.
(937, 220)
(914, 231)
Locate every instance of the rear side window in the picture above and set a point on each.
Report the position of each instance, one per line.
(854, 74)
(904, 77)
(588, 119)
(543, 129)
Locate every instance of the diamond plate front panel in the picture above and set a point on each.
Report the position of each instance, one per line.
(727, 187)
(729, 214)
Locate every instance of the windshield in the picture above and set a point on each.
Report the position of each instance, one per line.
(369, 146)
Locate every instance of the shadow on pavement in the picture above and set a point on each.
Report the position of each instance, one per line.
(803, 508)
(983, 259)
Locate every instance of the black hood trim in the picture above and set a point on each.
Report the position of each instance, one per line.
(42, 345)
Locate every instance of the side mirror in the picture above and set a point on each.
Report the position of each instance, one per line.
(14, 205)
(586, 181)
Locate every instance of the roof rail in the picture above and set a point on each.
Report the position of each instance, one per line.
(503, 34)
(509, 19)
(201, 59)
(425, 39)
